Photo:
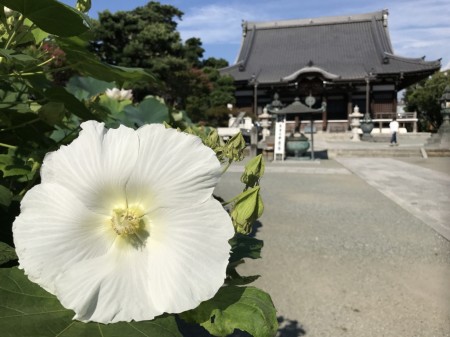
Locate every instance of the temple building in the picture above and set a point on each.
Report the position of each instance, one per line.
(341, 61)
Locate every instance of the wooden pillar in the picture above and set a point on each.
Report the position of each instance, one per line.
(349, 104)
(324, 114)
(255, 99)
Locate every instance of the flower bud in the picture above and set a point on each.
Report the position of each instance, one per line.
(254, 170)
(83, 5)
(234, 149)
(247, 209)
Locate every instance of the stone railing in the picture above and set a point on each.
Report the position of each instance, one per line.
(382, 120)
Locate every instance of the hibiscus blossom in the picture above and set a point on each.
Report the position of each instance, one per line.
(123, 225)
(119, 94)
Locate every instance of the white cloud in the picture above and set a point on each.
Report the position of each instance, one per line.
(447, 66)
(212, 24)
(421, 28)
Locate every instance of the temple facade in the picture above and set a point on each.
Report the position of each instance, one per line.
(341, 61)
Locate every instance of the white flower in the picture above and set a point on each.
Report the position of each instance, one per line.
(126, 94)
(119, 94)
(124, 226)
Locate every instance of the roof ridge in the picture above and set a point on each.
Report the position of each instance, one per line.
(325, 20)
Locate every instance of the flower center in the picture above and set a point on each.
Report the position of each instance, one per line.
(126, 221)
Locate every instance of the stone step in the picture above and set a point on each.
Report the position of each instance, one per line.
(388, 152)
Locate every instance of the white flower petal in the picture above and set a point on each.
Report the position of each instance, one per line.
(109, 289)
(77, 165)
(174, 166)
(189, 255)
(95, 166)
(54, 231)
(183, 264)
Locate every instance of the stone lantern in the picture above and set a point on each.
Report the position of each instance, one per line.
(355, 123)
(441, 139)
(445, 108)
(266, 122)
(443, 133)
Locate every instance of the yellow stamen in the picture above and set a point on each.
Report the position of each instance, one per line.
(127, 221)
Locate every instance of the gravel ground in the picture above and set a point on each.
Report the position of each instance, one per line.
(342, 259)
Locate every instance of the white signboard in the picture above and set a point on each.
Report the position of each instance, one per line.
(280, 134)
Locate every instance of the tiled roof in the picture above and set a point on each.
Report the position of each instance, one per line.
(340, 48)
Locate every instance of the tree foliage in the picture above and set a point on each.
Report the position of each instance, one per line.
(147, 37)
(424, 96)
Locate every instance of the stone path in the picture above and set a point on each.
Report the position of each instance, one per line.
(423, 192)
(343, 256)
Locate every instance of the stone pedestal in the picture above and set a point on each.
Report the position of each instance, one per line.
(366, 127)
(441, 139)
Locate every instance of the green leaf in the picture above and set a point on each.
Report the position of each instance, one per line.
(235, 279)
(150, 110)
(114, 106)
(245, 308)
(7, 253)
(254, 170)
(234, 149)
(88, 64)
(73, 105)
(5, 200)
(243, 246)
(38, 34)
(52, 16)
(27, 310)
(16, 170)
(11, 166)
(84, 88)
(52, 113)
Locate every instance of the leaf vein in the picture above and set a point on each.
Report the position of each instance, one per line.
(65, 329)
(24, 294)
(17, 284)
(100, 329)
(6, 307)
(137, 329)
(33, 313)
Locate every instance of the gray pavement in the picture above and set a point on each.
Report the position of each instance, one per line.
(351, 247)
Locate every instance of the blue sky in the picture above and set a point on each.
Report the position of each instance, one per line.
(417, 27)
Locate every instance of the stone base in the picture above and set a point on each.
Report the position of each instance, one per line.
(441, 139)
(367, 137)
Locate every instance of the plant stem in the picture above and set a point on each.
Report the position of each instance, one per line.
(227, 166)
(20, 125)
(16, 27)
(230, 201)
(8, 146)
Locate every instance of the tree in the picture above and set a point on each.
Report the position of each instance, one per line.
(193, 51)
(211, 94)
(145, 37)
(424, 96)
(215, 63)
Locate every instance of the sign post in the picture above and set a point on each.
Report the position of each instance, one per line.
(280, 136)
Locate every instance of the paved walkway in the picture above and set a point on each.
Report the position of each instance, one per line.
(423, 192)
(346, 255)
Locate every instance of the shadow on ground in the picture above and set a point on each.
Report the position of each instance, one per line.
(287, 328)
(255, 228)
